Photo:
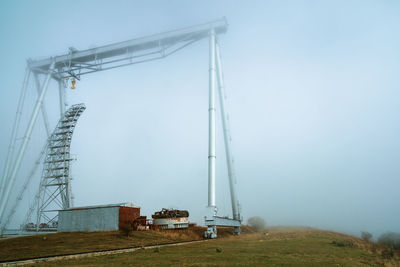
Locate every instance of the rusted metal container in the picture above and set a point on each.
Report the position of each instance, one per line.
(140, 224)
(127, 215)
(171, 219)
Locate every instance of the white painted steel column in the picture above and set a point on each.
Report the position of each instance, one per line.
(11, 146)
(11, 180)
(61, 89)
(211, 121)
(42, 106)
(227, 136)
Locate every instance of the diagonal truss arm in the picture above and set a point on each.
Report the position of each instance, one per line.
(14, 131)
(43, 107)
(227, 136)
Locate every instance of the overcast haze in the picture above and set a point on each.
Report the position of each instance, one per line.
(313, 97)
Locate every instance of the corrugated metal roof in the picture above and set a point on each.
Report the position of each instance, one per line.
(125, 204)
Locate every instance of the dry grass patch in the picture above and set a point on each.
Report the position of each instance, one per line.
(79, 242)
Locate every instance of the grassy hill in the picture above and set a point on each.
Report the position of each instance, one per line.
(305, 247)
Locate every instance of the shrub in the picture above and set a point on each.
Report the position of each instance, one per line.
(343, 243)
(257, 223)
(390, 239)
(387, 253)
(125, 230)
(366, 236)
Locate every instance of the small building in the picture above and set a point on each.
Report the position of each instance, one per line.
(97, 218)
(171, 219)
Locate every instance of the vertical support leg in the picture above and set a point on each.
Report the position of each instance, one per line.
(38, 211)
(227, 139)
(68, 203)
(211, 208)
(211, 125)
(61, 89)
(42, 106)
(13, 174)
(67, 194)
(14, 131)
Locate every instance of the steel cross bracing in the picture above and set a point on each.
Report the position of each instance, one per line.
(76, 63)
(55, 187)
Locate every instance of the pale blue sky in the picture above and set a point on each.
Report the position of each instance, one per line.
(313, 97)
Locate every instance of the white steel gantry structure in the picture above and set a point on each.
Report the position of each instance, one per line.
(73, 65)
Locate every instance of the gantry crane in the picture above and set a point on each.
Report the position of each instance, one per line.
(76, 63)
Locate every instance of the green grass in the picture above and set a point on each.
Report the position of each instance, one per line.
(78, 242)
(288, 248)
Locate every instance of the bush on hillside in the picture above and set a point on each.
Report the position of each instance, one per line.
(387, 253)
(343, 243)
(390, 239)
(366, 236)
(257, 223)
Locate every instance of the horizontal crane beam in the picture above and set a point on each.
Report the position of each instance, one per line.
(91, 60)
(222, 221)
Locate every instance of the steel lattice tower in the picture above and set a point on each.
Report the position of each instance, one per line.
(55, 187)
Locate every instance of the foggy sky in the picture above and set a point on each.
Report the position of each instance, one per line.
(312, 95)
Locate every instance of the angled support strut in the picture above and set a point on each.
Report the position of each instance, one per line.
(13, 173)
